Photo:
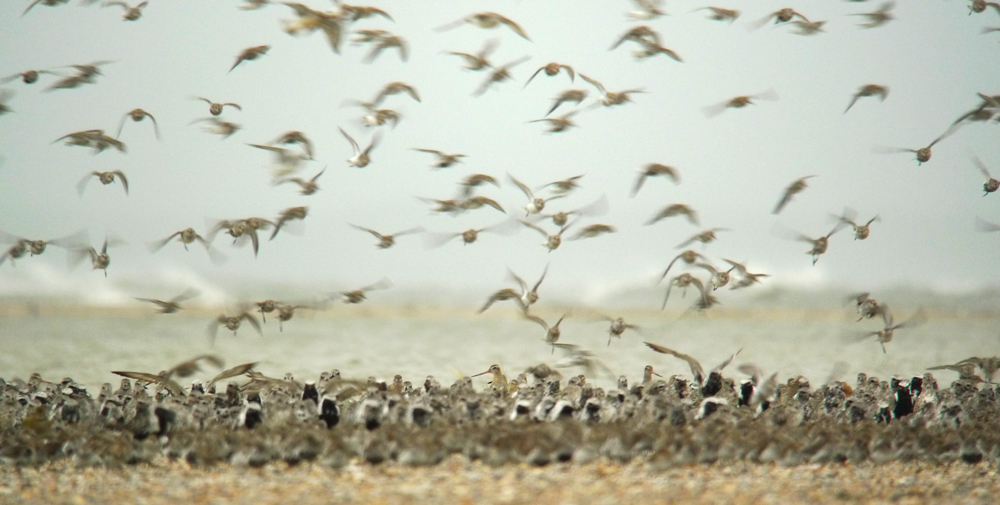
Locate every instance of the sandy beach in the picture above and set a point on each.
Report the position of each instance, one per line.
(458, 480)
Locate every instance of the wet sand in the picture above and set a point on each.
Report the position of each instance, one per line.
(458, 480)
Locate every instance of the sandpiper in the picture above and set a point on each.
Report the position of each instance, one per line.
(395, 88)
(709, 385)
(648, 9)
(978, 6)
(528, 297)
(792, 190)
(593, 230)
(991, 184)
(675, 210)
(570, 95)
(381, 40)
(498, 75)
(552, 333)
(98, 260)
(535, 204)
(704, 237)
(552, 242)
(557, 124)
(499, 382)
(174, 304)
(689, 256)
(880, 16)
(387, 241)
(487, 20)
(138, 115)
(720, 14)
(444, 160)
(474, 181)
(618, 326)
(923, 153)
(747, 279)
(739, 102)
(480, 60)
(131, 13)
(361, 158)
(289, 214)
(609, 98)
(233, 323)
(683, 281)
(869, 90)
(358, 295)
(306, 187)
(861, 231)
(553, 69)
(185, 237)
(27, 77)
(779, 16)
(885, 334)
(653, 170)
(215, 108)
(105, 178)
(250, 54)
(598, 207)
(225, 129)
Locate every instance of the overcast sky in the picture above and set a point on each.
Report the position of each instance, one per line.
(734, 167)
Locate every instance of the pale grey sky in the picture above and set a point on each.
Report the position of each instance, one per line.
(734, 167)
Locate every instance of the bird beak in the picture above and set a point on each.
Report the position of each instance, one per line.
(483, 373)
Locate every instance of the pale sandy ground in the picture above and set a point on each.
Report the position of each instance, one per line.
(459, 481)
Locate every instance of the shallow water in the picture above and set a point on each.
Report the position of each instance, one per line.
(450, 344)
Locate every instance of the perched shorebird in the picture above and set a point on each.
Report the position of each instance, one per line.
(869, 90)
(570, 95)
(720, 14)
(747, 279)
(739, 102)
(131, 13)
(380, 41)
(689, 256)
(138, 115)
(233, 323)
(395, 88)
(593, 230)
(991, 184)
(704, 237)
(225, 129)
(361, 158)
(683, 281)
(98, 260)
(105, 178)
(879, 17)
(499, 381)
(792, 190)
(475, 180)
(306, 187)
(444, 160)
(535, 204)
(609, 98)
(487, 20)
(358, 295)
(174, 304)
(653, 170)
(676, 209)
(885, 334)
(498, 75)
(185, 237)
(552, 333)
(711, 384)
(861, 231)
(289, 214)
(480, 60)
(387, 241)
(557, 124)
(552, 242)
(250, 54)
(551, 70)
(618, 326)
(215, 108)
(27, 77)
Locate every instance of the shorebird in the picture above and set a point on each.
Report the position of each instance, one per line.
(98, 260)
(535, 204)
(552, 333)
(476, 202)
(27, 77)
(648, 9)
(185, 237)
(395, 88)
(444, 160)
(807, 27)
(880, 16)
(499, 74)
(551, 70)
(298, 138)
(480, 60)
(387, 241)
(528, 297)
(307, 187)
(867, 306)
(358, 295)
(869, 90)
(570, 95)
(381, 40)
(250, 54)
(720, 14)
(675, 210)
(649, 49)
(105, 178)
(286, 312)
(987, 110)
(310, 20)
(95, 139)
(502, 295)
(47, 3)
(215, 108)
(160, 380)
(860, 231)
(138, 115)
(689, 256)
(739, 102)
(242, 227)
(966, 370)
(230, 373)
(552, 242)
(618, 326)
(22, 246)
(219, 127)
(779, 16)
(976, 6)
(598, 207)
(763, 389)
(361, 158)
(5, 96)
(475, 180)
(174, 304)
(593, 230)
(353, 13)
(991, 184)
(289, 214)
(719, 277)
(266, 307)
(747, 279)
(653, 170)
(704, 237)
(577, 356)
(487, 20)
(885, 334)
(792, 190)
(499, 382)
(819, 245)
(557, 124)
(192, 366)
(233, 323)
(683, 281)
(640, 34)
(609, 98)
(85, 74)
(988, 367)
(131, 13)
(923, 154)
(709, 385)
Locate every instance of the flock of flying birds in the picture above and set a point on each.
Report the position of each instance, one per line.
(292, 149)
